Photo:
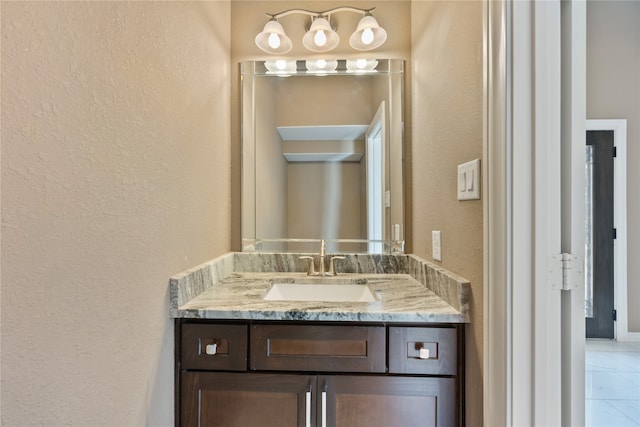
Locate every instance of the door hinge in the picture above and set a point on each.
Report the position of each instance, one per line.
(615, 233)
(615, 152)
(615, 315)
(566, 271)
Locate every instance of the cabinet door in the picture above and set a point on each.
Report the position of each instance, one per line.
(217, 399)
(376, 401)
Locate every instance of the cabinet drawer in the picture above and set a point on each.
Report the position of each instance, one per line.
(318, 348)
(230, 342)
(439, 355)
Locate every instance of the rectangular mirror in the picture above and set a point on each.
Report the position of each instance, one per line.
(322, 155)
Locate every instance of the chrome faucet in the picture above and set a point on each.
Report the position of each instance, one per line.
(321, 271)
(321, 263)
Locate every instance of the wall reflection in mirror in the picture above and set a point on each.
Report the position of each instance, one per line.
(322, 155)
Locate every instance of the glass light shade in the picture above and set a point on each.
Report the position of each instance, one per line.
(361, 66)
(368, 34)
(281, 67)
(272, 39)
(321, 66)
(313, 41)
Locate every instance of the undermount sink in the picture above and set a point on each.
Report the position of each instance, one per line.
(325, 292)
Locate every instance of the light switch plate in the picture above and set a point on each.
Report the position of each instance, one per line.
(469, 180)
(436, 248)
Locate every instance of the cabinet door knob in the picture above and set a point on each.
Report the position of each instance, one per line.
(211, 349)
(424, 353)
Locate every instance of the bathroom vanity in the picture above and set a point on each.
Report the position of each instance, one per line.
(242, 360)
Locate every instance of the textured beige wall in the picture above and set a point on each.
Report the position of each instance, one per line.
(447, 131)
(270, 165)
(115, 175)
(613, 92)
(330, 195)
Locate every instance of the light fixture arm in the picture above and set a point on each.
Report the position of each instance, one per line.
(321, 13)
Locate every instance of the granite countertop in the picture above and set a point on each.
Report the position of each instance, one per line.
(231, 294)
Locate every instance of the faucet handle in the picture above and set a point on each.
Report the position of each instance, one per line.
(332, 270)
(310, 269)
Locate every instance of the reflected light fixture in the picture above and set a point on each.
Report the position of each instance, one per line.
(281, 67)
(361, 66)
(321, 66)
(321, 35)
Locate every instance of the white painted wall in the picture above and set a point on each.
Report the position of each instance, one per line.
(115, 175)
(613, 92)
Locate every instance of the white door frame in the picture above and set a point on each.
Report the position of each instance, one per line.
(574, 113)
(523, 375)
(619, 128)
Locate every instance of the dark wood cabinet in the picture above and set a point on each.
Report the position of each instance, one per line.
(221, 399)
(290, 374)
(384, 401)
(319, 348)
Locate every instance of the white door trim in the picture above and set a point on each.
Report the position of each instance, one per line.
(619, 128)
(496, 248)
(522, 211)
(574, 113)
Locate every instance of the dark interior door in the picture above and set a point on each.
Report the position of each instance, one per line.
(601, 324)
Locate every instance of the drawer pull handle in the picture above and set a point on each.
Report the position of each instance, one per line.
(424, 353)
(211, 349)
(308, 407)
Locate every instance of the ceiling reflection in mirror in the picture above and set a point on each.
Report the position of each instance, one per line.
(322, 155)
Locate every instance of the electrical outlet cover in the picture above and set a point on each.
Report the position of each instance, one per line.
(436, 246)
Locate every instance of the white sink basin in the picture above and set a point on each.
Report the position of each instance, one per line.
(319, 292)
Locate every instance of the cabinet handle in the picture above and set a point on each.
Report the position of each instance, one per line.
(211, 349)
(324, 406)
(308, 407)
(424, 353)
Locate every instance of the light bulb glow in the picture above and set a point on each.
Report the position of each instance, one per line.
(367, 36)
(321, 63)
(281, 64)
(361, 63)
(274, 41)
(320, 38)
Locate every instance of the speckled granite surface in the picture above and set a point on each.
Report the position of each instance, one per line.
(407, 288)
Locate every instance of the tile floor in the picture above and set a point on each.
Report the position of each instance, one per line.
(612, 383)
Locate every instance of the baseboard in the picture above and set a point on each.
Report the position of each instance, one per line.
(629, 337)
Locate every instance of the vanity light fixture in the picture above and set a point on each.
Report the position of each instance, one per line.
(272, 39)
(321, 35)
(368, 35)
